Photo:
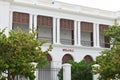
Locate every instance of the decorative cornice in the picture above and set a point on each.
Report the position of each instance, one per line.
(67, 8)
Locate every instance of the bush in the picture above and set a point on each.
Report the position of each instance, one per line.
(79, 71)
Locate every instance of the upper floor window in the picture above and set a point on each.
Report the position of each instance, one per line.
(20, 20)
(67, 31)
(86, 34)
(45, 28)
(104, 41)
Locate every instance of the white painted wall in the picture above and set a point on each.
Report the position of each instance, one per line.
(57, 53)
(4, 16)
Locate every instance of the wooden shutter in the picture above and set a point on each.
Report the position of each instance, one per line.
(107, 42)
(66, 24)
(91, 37)
(102, 28)
(20, 18)
(44, 21)
(86, 27)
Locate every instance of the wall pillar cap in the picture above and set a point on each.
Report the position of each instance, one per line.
(66, 64)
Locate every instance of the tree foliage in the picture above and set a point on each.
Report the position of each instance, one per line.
(109, 59)
(79, 71)
(17, 53)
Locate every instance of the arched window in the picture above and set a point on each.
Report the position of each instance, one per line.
(49, 58)
(88, 59)
(66, 58)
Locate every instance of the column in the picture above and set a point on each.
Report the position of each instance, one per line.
(30, 22)
(35, 24)
(54, 30)
(66, 71)
(75, 32)
(58, 30)
(97, 36)
(79, 33)
(11, 18)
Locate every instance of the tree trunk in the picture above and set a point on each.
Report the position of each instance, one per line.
(13, 77)
(8, 75)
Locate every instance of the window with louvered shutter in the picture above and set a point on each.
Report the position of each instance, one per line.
(86, 27)
(66, 24)
(104, 41)
(67, 31)
(44, 21)
(102, 28)
(20, 20)
(86, 33)
(45, 28)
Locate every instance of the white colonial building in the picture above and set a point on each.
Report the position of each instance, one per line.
(75, 31)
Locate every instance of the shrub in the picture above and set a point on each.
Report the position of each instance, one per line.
(79, 71)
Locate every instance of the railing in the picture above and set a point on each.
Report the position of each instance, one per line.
(87, 43)
(21, 78)
(49, 39)
(105, 45)
(48, 74)
(5, 75)
(67, 41)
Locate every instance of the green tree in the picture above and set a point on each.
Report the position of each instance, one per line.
(17, 53)
(109, 59)
(79, 71)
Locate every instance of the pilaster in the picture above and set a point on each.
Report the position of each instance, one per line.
(58, 30)
(75, 33)
(54, 30)
(79, 33)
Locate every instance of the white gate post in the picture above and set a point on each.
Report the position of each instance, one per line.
(66, 71)
(95, 76)
(36, 74)
(36, 71)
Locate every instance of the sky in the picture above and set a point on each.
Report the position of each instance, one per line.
(110, 5)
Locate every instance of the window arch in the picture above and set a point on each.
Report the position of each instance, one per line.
(66, 58)
(88, 59)
(49, 58)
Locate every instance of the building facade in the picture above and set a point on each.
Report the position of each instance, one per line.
(75, 31)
